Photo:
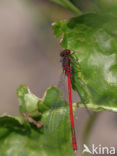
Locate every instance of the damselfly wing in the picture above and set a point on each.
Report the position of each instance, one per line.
(57, 113)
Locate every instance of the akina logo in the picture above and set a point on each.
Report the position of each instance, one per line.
(99, 150)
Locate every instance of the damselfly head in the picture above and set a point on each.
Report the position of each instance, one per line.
(65, 52)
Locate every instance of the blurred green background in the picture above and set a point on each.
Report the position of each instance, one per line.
(29, 54)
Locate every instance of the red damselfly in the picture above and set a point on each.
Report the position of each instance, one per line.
(60, 114)
(67, 69)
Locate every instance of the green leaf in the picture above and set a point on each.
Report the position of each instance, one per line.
(67, 4)
(28, 101)
(93, 39)
(19, 137)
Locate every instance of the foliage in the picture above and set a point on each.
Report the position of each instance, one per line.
(19, 137)
(92, 38)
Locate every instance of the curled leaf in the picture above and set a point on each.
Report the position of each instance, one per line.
(92, 38)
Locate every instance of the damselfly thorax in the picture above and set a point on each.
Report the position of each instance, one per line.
(66, 61)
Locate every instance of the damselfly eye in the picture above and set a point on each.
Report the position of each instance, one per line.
(68, 51)
(65, 52)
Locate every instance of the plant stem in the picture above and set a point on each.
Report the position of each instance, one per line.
(67, 4)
